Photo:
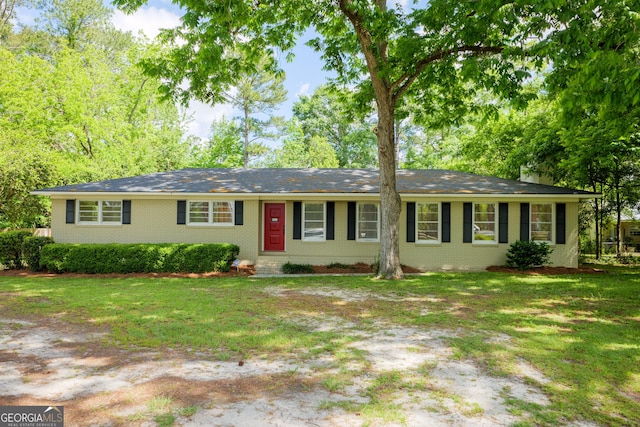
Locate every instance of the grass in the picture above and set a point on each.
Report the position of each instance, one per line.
(581, 331)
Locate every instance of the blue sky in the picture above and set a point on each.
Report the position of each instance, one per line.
(303, 75)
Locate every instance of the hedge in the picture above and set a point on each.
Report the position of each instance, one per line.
(138, 258)
(31, 249)
(11, 248)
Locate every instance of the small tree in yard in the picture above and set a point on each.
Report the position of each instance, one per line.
(524, 255)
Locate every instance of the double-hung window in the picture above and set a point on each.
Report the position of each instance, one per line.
(541, 222)
(428, 221)
(209, 213)
(314, 222)
(484, 222)
(100, 212)
(368, 222)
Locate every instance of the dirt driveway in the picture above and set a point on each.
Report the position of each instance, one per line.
(56, 363)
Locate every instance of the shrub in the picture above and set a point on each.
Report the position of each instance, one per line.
(524, 255)
(289, 268)
(31, 249)
(138, 258)
(341, 266)
(11, 248)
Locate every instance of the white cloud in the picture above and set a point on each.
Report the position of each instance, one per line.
(149, 20)
(203, 115)
(304, 89)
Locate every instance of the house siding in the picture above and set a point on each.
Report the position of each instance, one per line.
(472, 257)
(326, 252)
(155, 221)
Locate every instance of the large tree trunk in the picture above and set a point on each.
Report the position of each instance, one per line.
(390, 204)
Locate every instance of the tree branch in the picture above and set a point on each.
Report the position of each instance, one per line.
(137, 101)
(400, 86)
(365, 39)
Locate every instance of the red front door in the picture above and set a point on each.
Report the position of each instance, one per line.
(274, 226)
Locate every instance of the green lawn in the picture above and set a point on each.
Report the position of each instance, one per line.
(582, 332)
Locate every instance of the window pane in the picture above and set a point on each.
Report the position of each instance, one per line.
(222, 213)
(484, 222)
(428, 224)
(541, 222)
(368, 221)
(314, 221)
(484, 231)
(428, 231)
(88, 211)
(199, 212)
(111, 211)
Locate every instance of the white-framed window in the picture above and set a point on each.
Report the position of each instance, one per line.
(201, 212)
(541, 224)
(428, 222)
(313, 219)
(368, 224)
(100, 212)
(485, 218)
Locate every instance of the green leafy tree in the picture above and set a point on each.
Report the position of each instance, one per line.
(426, 52)
(7, 12)
(76, 115)
(223, 150)
(299, 152)
(329, 113)
(257, 92)
(74, 23)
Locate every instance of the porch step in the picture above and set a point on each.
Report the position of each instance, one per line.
(268, 265)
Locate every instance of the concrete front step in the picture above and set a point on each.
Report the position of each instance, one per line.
(269, 265)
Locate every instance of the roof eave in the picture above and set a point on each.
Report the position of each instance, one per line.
(301, 195)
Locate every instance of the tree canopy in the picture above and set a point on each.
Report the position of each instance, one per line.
(72, 110)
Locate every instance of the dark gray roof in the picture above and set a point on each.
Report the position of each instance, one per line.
(281, 181)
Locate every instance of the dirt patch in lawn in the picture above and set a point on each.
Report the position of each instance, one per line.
(411, 372)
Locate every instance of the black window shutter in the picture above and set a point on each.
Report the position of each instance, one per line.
(71, 212)
(126, 211)
(411, 222)
(561, 223)
(446, 222)
(351, 221)
(503, 223)
(182, 211)
(524, 222)
(467, 223)
(238, 212)
(297, 220)
(331, 220)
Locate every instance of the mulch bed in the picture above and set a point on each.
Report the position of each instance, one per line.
(359, 268)
(546, 270)
(242, 271)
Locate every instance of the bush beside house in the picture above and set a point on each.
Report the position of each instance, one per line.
(526, 254)
(138, 258)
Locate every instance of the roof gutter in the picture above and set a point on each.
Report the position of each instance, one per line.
(295, 196)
